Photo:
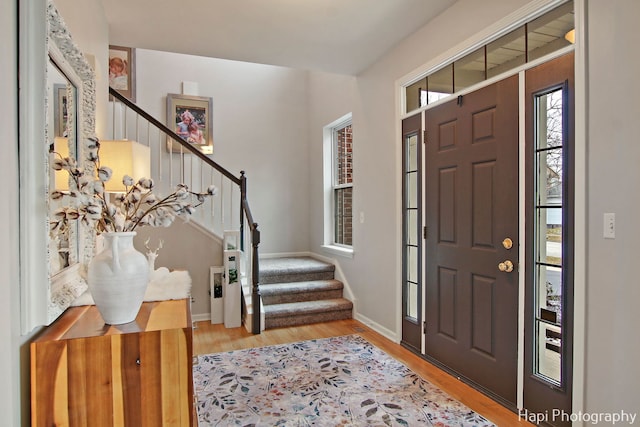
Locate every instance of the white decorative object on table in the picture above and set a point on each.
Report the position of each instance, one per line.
(163, 285)
(118, 278)
(117, 216)
(152, 254)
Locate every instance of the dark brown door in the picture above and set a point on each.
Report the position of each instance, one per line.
(471, 207)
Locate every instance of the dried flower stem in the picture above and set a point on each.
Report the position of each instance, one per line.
(93, 205)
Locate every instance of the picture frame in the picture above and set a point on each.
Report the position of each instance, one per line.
(60, 112)
(122, 71)
(191, 117)
(216, 292)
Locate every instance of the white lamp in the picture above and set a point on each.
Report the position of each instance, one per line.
(124, 157)
(61, 147)
(570, 36)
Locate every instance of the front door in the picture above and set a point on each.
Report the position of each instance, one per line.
(471, 247)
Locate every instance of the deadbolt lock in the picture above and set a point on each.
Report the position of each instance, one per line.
(507, 243)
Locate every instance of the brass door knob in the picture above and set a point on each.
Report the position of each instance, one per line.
(506, 266)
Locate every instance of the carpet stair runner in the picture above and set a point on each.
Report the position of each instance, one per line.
(300, 291)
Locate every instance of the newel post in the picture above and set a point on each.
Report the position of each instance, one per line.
(255, 280)
(255, 261)
(243, 197)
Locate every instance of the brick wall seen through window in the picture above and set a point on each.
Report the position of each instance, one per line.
(343, 186)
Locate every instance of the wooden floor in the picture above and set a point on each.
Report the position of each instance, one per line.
(210, 338)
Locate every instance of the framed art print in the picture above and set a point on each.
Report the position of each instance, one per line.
(191, 117)
(60, 112)
(122, 69)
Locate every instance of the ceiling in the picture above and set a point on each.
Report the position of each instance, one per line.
(339, 36)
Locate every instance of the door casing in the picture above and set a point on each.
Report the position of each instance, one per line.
(577, 359)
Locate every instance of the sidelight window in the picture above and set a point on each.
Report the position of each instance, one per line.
(549, 232)
(412, 227)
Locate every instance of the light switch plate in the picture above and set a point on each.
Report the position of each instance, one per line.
(609, 226)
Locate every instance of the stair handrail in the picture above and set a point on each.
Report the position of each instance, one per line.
(245, 210)
(174, 136)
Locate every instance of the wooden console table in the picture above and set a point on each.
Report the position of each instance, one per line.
(86, 373)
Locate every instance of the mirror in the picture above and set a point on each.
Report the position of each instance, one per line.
(54, 73)
(73, 117)
(61, 132)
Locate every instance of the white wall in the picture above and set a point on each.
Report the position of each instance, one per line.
(613, 290)
(91, 35)
(374, 273)
(331, 96)
(259, 126)
(9, 291)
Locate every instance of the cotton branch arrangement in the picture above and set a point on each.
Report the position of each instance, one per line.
(137, 206)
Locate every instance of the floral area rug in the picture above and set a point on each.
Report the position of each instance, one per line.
(341, 381)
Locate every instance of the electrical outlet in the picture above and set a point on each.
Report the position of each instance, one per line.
(609, 226)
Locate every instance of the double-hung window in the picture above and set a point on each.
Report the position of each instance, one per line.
(338, 185)
(343, 184)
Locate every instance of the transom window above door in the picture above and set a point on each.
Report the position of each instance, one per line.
(538, 37)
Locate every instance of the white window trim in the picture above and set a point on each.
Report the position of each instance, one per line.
(328, 185)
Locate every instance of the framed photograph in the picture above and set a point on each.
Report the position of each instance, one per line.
(216, 283)
(191, 117)
(122, 71)
(60, 112)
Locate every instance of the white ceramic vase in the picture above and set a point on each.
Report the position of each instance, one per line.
(118, 277)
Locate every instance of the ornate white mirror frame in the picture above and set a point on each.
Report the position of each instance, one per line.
(45, 295)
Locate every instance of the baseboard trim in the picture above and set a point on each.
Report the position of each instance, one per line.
(203, 229)
(387, 333)
(201, 317)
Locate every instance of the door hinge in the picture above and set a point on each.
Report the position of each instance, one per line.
(425, 232)
(424, 137)
(424, 327)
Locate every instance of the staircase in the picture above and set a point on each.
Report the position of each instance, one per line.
(294, 290)
(176, 162)
(300, 291)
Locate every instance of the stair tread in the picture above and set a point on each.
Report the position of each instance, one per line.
(305, 307)
(301, 290)
(293, 265)
(300, 287)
